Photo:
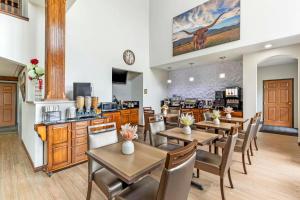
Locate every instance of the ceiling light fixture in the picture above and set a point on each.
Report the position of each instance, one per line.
(222, 75)
(268, 46)
(169, 81)
(191, 78)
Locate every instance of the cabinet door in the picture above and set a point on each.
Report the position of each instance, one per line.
(109, 117)
(117, 119)
(125, 119)
(59, 146)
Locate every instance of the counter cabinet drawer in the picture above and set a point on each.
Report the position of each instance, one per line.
(80, 125)
(98, 121)
(125, 112)
(79, 140)
(134, 111)
(78, 153)
(79, 133)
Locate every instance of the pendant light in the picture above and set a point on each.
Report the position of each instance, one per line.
(222, 75)
(169, 81)
(191, 78)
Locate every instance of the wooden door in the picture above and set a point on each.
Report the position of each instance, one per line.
(7, 104)
(278, 103)
(59, 146)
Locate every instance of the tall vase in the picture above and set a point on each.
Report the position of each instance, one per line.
(216, 121)
(187, 130)
(38, 90)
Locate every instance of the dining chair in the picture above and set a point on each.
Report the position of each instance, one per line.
(109, 184)
(207, 116)
(175, 180)
(218, 165)
(173, 121)
(258, 118)
(242, 145)
(157, 125)
(147, 114)
(147, 108)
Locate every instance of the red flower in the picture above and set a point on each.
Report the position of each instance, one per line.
(34, 61)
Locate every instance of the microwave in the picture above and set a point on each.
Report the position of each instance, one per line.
(109, 106)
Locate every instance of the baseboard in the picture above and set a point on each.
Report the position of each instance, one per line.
(35, 169)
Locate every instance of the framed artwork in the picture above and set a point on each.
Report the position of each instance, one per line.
(212, 23)
(23, 85)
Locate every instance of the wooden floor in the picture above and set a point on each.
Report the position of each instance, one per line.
(274, 175)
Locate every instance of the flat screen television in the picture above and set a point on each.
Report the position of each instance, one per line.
(119, 76)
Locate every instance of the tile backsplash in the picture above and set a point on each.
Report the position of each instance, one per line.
(206, 80)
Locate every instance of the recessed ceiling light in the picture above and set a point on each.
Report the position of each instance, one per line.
(191, 79)
(268, 46)
(169, 81)
(222, 75)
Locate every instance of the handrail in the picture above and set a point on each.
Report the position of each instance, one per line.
(13, 8)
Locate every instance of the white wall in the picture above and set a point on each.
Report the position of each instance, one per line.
(274, 72)
(96, 39)
(250, 64)
(261, 20)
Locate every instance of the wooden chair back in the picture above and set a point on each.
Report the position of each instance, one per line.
(147, 114)
(249, 134)
(147, 109)
(229, 150)
(178, 169)
(258, 119)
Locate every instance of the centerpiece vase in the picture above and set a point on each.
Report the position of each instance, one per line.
(187, 130)
(128, 147)
(216, 121)
(228, 116)
(38, 90)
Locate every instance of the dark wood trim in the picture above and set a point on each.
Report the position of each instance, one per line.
(35, 169)
(14, 15)
(8, 78)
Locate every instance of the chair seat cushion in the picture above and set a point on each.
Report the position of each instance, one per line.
(169, 147)
(109, 184)
(238, 147)
(145, 189)
(208, 162)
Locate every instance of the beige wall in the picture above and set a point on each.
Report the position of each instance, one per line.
(250, 63)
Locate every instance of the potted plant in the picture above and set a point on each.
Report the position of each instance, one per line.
(36, 73)
(128, 133)
(216, 117)
(228, 112)
(187, 120)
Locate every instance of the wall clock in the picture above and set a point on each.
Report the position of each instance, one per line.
(129, 57)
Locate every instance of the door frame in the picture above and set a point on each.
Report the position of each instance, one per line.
(16, 103)
(293, 98)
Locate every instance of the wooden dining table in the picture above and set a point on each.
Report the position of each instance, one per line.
(128, 168)
(222, 126)
(234, 120)
(203, 137)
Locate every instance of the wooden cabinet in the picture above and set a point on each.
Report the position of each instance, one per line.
(130, 116)
(114, 117)
(79, 141)
(125, 117)
(59, 146)
(134, 116)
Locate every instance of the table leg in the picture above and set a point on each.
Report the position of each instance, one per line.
(197, 185)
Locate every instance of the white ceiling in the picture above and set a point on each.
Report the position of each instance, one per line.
(9, 68)
(278, 60)
(233, 54)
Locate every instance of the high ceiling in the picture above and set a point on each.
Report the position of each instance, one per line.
(9, 68)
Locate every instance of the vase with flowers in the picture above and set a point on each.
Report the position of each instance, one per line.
(35, 73)
(228, 110)
(128, 133)
(216, 117)
(187, 120)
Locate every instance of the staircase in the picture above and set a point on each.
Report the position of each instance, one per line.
(12, 7)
